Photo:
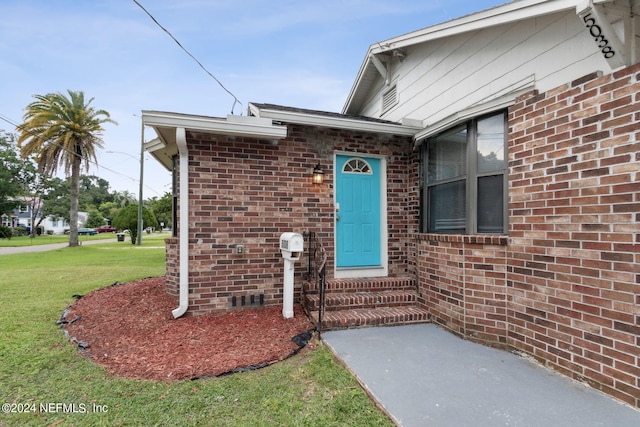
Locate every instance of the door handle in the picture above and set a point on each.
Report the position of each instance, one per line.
(337, 218)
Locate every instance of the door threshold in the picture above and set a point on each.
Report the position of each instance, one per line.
(352, 272)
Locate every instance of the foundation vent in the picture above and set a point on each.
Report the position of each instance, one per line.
(247, 300)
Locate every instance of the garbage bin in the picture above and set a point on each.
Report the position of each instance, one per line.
(120, 237)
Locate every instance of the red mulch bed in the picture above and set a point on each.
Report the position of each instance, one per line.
(130, 331)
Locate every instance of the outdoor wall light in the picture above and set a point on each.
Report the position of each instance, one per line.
(318, 174)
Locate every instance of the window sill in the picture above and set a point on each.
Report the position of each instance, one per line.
(477, 239)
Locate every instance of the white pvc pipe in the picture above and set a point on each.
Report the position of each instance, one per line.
(181, 141)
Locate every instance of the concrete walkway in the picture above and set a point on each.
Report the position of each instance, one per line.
(424, 376)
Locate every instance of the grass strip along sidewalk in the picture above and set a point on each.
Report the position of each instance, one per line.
(56, 238)
(44, 380)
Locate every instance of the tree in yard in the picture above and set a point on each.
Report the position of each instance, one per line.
(56, 202)
(94, 191)
(95, 219)
(108, 210)
(21, 183)
(36, 187)
(63, 131)
(124, 198)
(127, 218)
(162, 209)
(10, 166)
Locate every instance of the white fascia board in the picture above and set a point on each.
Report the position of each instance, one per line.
(231, 126)
(154, 145)
(509, 12)
(336, 123)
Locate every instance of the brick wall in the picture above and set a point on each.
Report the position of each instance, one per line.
(574, 258)
(247, 192)
(565, 285)
(463, 283)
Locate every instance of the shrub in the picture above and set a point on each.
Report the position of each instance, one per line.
(5, 232)
(127, 219)
(19, 231)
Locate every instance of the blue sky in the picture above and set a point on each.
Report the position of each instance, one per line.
(297, 53)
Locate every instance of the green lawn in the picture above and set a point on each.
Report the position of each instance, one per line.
(46, 239)
(41, 369)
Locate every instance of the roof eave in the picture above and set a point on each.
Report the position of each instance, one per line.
(165, 125)
(334, 122)
(231, 126)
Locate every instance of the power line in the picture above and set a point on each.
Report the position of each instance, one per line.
(235, 99)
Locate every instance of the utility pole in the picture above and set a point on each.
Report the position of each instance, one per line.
(140, 223)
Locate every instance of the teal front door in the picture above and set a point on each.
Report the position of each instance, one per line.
(358, 220)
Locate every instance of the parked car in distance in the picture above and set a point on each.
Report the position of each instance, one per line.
(87, 231)
(105, 229)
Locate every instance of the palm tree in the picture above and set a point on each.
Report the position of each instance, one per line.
(61, 131)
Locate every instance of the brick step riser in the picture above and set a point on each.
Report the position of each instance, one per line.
(336, 321)
(348, 287)
(350, 301)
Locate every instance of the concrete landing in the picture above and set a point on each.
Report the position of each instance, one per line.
(423, 376)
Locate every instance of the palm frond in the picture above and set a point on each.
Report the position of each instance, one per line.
(58, 129)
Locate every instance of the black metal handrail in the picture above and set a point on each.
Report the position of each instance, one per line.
(317, 273)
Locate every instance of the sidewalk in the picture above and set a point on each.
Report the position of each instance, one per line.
(43, 248)
(424, 376)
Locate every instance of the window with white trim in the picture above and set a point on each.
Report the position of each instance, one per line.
(464, 178)
(356, 165)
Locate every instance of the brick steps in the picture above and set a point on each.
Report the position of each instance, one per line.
(364, 284)
(353, 303)
(361, 317)
(376, 299)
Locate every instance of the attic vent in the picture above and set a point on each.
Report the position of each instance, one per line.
(389, 98)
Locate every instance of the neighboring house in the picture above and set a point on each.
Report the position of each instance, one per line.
(9, 220)
(22, 215)
(51, 225)
(491, 162)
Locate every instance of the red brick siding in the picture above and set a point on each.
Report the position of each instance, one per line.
(247, 192)
(574, 256)
(565, 286)
(172, 276)
(463, 283)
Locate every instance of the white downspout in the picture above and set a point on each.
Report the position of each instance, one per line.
(181, 141)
